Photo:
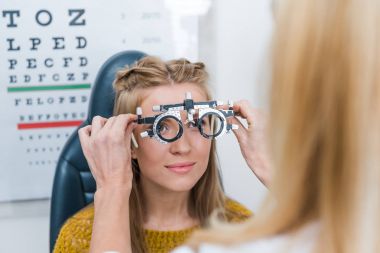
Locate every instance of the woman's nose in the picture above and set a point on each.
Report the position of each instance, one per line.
(182, 145)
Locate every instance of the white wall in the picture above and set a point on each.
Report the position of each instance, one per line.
(234, 43)
(24, 226)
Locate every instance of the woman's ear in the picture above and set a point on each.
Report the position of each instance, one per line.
(134, 146)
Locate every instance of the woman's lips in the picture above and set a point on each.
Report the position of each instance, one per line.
(180, 168)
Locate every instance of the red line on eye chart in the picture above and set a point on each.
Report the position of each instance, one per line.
(54, 124)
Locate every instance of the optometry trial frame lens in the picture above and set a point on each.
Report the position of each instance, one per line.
(210, 125)
(168, 128)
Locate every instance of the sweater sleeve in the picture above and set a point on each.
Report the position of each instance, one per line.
(75, 234)
(236, 212)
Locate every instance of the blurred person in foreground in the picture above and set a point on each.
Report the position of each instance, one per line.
(324, 136)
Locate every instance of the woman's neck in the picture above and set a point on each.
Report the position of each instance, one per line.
(166, 210)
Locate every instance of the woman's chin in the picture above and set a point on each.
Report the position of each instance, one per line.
(181, 187)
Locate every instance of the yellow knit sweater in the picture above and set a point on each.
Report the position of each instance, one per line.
(75, 235)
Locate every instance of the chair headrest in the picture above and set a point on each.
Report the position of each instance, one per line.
(102, 95)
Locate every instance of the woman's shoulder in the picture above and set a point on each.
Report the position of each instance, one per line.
(75, 234)
(235, 211)
(85, 213)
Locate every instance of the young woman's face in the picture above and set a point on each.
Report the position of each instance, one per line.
(178, 165)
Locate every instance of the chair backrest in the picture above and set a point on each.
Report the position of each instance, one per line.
(74, 186)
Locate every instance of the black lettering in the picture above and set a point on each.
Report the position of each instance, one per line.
(31, 63)
(55, 77)
(66, 61)
(72, 100)
(12, 14)
(70, 77)
(11, 46)
(83, 61)
(17, 101)
(84, 99)
(49, 62)
(35, 43)
(48, 21)
(50, 100)
(12, 63)
(57, 44)
(13, 79)
(61, 99)
(78, 13)
(82, 42)
(29, 101)
(39, 101)
(41, 77)
(84, 76)
(27, 78)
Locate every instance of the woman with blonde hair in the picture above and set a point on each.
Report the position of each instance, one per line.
(324, 136)
(150, 196)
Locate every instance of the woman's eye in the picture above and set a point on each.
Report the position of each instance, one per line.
(163, 128)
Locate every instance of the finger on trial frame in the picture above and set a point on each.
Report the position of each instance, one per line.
(124, 123)
(241, 132)
(241, 108)
(85, 131)
(109, 123)
(97, 124)
(84, 134)
(238, 122)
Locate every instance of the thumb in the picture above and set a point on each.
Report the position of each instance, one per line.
(241, 132)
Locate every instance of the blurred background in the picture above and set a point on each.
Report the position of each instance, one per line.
(63, 43)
